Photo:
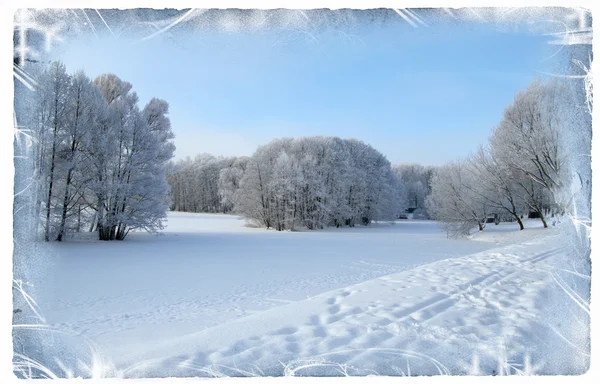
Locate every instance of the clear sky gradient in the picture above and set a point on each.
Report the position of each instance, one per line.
(425, 95)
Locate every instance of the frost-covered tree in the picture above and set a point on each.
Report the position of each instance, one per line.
(100, 162)
(82, 113)
(179, 176)
(252, 198)
(229, 181)
(497, 186)
(155, 114)
(522, 170)
(417, 182)
(144, 201)
(51, 117)
(453, 201)
(315, 182)
(286, 180)
(123, 128)
(206, 183)
(527, 140)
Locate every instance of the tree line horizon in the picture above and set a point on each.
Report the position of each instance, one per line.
(103, 164)
(522, 171)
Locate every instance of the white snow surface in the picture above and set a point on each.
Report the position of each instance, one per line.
(210, 297)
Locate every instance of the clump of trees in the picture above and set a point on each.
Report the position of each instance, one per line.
(310, 182)
(417, 183)
(519, 172)
(206, 183)
(99, 160)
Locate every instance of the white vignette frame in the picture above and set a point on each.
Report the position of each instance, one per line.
(8, 170)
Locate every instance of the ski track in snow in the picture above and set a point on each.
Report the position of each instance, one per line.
(475, 304)
(212, 297)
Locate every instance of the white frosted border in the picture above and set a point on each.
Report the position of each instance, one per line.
(6, 192)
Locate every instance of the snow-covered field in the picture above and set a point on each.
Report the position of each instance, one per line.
(210, 296)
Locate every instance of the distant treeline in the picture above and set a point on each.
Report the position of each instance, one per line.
(310, 182)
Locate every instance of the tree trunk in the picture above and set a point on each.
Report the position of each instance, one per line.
(49, 201)
(543, 218)
(63, 217)
(521, 227)
(94, 222)
(105, 232)
(121, 232)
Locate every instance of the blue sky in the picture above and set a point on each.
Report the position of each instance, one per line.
(425, 95)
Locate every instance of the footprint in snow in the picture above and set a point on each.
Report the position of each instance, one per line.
(285, 331)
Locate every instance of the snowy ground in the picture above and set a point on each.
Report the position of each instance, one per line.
(213, 297)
